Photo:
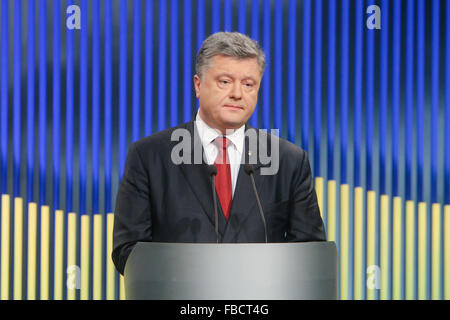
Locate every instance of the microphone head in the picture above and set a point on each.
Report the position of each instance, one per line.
(248, 168)
(212, 170)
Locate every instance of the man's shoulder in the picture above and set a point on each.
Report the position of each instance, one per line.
(158, 140)
(286, 147)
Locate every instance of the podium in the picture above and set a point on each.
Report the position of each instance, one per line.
(231, 271)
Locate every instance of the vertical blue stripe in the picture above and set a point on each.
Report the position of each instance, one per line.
(31, 98)
(306, 54)
(254, 119)
(420, 94)
(409, 102)
(266, 81)
(383, 129)
(359, 27)
(396, 87)
(447, 106)
(200, 23)
(435, 121)
(369, 103)
(215, 20)
(4, 97)
(56, 133)
(83, 104)
(136, 132)
(445, 84)
(162, 65)
(30, 112)
(187, 61)
(420, 124)
(56, 102)
(369, 117)
(108, 105)
(317, 85)
(409, 92)
(331, 84)
(359, 45)
(17, 103)
(358, 80)
(384, 82)
(42, 99)
(344, 78)
(434, 99)
(96, 104)
(148, 67)
(292, 70)
(228, 15)
(278, 60)
(174, 63)
(200, 28)
(122, 86)
(242, 14)
(69, 116)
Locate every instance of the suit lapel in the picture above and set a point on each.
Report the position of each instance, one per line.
(197, 177)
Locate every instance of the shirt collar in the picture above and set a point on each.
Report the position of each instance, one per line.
(208, 134)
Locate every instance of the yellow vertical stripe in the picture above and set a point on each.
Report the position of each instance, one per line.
(59, 246)
(331, 211)
(319, 192)
(98, 257)
(110, 271)
(371, 229)
(45, 252)
(409, 251)
(72, 254)
(422, 254)
(84, 293)
(5, 247)
(358, 245)
(396, 250)
(18, 248)
(447, 252)
(436, 252)
(344, 242)
(32, 251)
(122, 288)
(384, 247)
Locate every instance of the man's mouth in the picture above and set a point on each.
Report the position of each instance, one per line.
(233, 107)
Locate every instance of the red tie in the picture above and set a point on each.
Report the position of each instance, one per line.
(223, 178)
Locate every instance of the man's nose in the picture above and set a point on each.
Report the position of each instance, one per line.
(236, 91)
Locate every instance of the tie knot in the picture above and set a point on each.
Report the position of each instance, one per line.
(222, 142)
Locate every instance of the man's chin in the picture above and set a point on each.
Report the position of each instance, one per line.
(233, 123)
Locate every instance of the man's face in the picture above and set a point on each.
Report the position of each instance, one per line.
(228, 91)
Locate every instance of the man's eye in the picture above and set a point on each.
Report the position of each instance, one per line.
(224, 82)
(248, 85)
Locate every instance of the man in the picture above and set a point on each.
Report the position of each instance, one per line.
(163, 199)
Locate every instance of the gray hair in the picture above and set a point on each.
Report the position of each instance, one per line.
(231, 44)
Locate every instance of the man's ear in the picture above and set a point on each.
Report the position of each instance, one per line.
(197, 85)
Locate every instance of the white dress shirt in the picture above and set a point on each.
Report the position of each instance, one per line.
(234, 149)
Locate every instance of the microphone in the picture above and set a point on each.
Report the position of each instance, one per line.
(248, 168)
(212, 172)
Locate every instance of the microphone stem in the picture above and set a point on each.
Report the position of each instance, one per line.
(215, 207)
(259, 205)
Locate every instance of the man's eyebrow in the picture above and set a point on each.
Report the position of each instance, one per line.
(231, 76)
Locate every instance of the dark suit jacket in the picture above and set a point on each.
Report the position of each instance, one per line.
(160, 201)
